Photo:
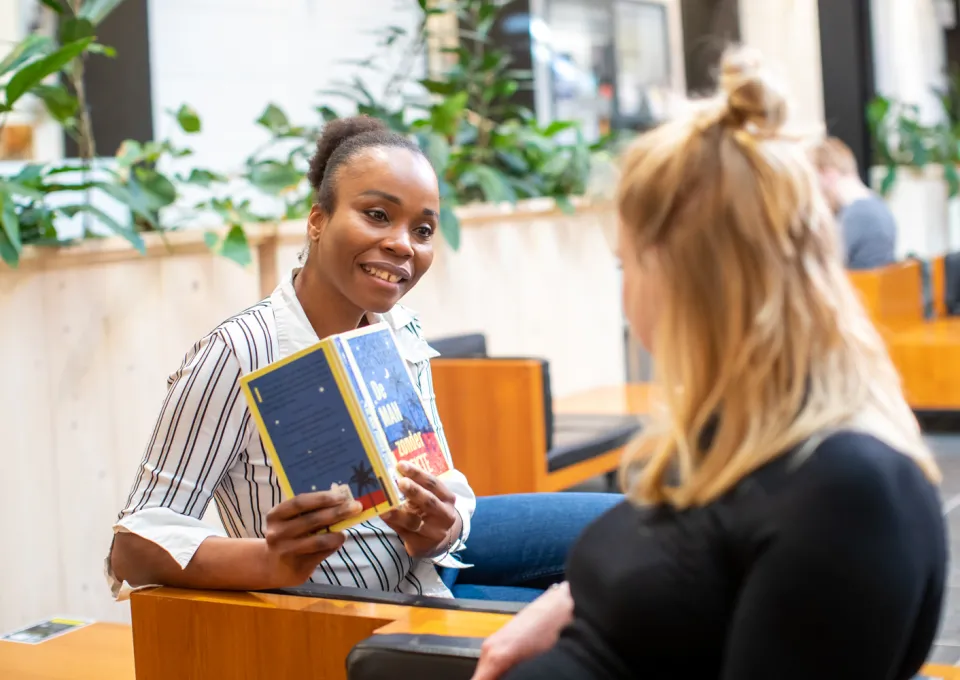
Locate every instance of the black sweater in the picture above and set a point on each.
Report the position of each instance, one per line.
(833, 567)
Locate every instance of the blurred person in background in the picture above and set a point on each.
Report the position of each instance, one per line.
(867, 226)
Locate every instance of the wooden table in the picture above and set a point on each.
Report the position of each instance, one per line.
(628, 399)
(100, 651)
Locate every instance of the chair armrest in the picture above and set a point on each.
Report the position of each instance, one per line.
(344, 593)
(388, 657)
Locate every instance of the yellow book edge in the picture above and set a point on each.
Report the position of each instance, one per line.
(359, 421)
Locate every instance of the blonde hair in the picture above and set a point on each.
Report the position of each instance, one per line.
(833, 154)
(761, 343)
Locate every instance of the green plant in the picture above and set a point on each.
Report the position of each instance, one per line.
(52, 71)
(901, 139)
(33, 200)
(483, 146)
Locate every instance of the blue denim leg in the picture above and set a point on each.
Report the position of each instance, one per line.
(521, 541)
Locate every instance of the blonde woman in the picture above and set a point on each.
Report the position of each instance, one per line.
(783, 517)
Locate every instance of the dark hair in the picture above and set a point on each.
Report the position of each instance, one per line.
(342, 139)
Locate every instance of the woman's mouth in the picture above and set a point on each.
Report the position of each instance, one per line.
(381, 274)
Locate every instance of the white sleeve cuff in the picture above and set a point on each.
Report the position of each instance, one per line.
(178, 534)
(465, 504)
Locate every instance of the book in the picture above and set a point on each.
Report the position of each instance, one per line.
(344, 412)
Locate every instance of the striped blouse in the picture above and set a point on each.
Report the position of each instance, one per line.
(205, 445)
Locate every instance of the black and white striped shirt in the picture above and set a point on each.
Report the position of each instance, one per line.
(205, 445)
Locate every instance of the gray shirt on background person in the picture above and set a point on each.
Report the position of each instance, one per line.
(869, 233)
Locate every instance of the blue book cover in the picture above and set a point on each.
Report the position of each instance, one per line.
(312, 423)
(392, 401)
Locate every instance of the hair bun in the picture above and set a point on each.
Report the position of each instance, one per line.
(754, 97)
(335, 133)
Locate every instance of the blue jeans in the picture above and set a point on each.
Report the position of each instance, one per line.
(518, 544)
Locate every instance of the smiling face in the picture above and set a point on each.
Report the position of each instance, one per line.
(378, 241)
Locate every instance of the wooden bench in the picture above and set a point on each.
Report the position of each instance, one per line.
(508, 435)
(926, 351)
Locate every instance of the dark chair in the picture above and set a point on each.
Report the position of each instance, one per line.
(388, 657)
(469, 346)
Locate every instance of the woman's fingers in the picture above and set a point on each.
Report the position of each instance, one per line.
(310, 522)
(307, 502)
(319, 545)
(427, 481)
(427, 505)
(402, 519)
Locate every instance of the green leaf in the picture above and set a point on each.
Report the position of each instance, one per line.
(129, 153)
(505, 89)
(327, 114)
(450, 226)
(96, 11)
(9, 221)
(437, 150)
(445, 117)
(159, 189)
(8, 253)
(61, 105)
(274, 119)
(204, 178)
(556, 165)
(495, 187)
(888, 180)
(274, 177)
(438, 86)
(212, 239)
(133, 198)
(953, 179)
(29, 173)
(105, 50)
(188, 119)
(236, 247)
(74, 29)
(28, 48)
(565, 205)
(558, 126)
(55, 5)
(135, 239)
(19, 189)
(33, 74)
(513, 161)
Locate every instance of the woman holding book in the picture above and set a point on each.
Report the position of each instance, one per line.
(782, 518)
(370, 240)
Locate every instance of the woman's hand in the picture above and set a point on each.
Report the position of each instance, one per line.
(427, 522)
(294, 546)
(531, 632)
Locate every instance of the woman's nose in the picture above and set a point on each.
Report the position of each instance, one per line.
(398, 243)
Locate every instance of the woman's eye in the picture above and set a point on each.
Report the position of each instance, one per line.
(377, 214)
(424, 231)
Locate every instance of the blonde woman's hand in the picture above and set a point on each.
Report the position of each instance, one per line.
(530, 633)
